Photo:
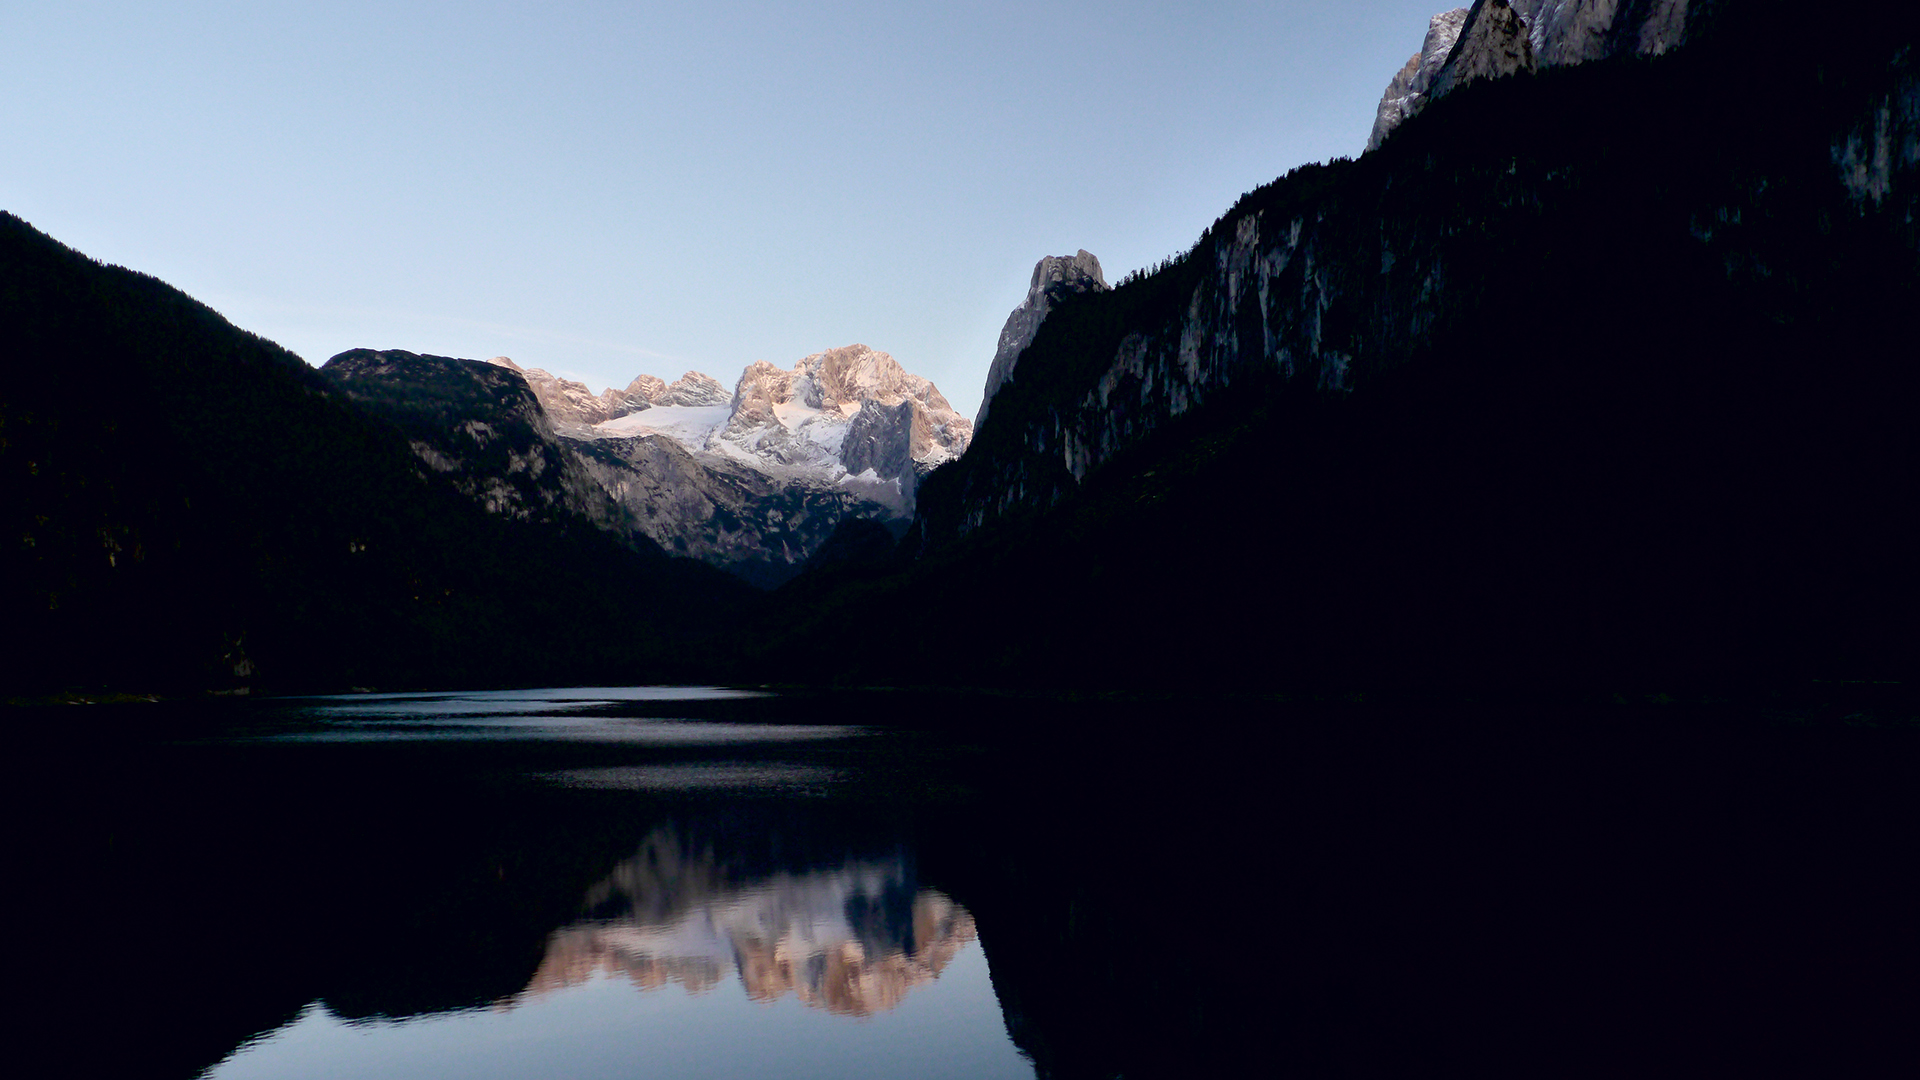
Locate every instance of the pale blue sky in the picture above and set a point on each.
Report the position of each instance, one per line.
(605, 189)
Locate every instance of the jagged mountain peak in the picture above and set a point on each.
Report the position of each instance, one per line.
(1503, 37)
(850, 409)
(571, 405)
(1053, 277)
(1409, 88)
(690, 389)
(1493, 42)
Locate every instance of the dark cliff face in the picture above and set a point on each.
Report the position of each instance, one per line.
(1598, 375)
(1333, 278)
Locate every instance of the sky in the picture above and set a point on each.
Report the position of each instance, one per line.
(612, 189)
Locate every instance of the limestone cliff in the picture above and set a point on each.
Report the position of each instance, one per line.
(690, 390)
(804, 417)
(1493, 43)
(1502, 37)
(1340, 274)
(1409, 89)
(1053, 277)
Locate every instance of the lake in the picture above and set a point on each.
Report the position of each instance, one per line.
(696, 882)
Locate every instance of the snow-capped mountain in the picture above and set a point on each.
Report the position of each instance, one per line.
(849, 419)
(752, 481)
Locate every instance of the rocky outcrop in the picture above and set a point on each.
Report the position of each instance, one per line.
(1503, 37)
(1408, 90)
(1053, 277)
(569, 404)
(880, 439)
(572, 407)
(690, 390)
(800, 419)
(1576, 31)
(481, 426)
(1493, 43)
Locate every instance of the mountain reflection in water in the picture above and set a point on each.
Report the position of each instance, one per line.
(1160, 889)
(852, 940)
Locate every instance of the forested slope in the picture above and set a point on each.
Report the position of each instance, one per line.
(1599, 378)
(189, 507)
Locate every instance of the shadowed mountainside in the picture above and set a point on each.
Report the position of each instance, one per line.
(191, 507)
(1596, 378)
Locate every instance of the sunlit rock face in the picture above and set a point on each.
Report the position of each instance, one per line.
(691, 389)
(1053, 277)
(800, 418)
(1409, 88)
(754, 479)
(570, 405)
(852, 940)
(573, 408)
(1495, 38)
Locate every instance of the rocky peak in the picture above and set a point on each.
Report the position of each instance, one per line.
(1409, 88)
(1575, 31)
(1493, 43)
(1053, 277)
(570, 405)
(692, 389)
(882, 417)
(649, 388)
(762, 386)
(1501, 37)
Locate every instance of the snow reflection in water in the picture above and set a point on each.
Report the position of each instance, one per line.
(799, 941)
(853, 940)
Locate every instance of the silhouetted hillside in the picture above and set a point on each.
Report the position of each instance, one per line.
(1600, 378)
(189, 506)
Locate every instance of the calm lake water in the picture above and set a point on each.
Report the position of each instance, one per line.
(684, 882)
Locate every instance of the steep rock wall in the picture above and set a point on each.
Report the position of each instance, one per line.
(1054, 277)
(1341, 274)
(1408, 90)
(1502, 37)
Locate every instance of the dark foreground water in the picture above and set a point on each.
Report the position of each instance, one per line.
(704, 883)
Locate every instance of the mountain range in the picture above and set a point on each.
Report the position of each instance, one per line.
(1591, 373)
(751, 481)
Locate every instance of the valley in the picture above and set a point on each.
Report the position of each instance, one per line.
(1456, 615)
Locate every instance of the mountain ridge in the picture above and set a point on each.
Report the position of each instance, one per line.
(1520, 398)
(752, 482)
(226, 520)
